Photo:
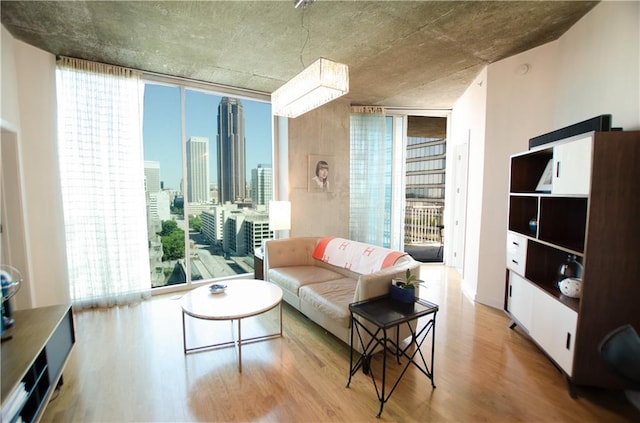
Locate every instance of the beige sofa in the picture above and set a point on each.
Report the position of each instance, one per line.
(322, 291)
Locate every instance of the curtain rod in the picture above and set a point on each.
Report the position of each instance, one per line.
(417, 111)
(93, 65)
(205, 85)
(192, 83)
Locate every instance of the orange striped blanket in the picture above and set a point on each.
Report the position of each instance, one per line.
(355, 256)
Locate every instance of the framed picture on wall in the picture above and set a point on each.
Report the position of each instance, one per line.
(321, 173)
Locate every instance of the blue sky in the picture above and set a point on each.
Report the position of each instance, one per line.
(162, 131)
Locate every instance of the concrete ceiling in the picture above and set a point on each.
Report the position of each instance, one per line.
(414, 54)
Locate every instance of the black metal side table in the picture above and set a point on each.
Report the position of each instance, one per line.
(385, 314)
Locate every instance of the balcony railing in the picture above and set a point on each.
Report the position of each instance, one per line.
(423, 224)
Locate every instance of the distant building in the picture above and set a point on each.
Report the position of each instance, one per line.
(160, 206)
(257, 229)
(178, 201)
(157, 207)
(426, 162)
(239, 230)
(198, 170)
(196, 209)
(157, 202)
(231, 151)
(213, 221)
(261, 185)
(152, 176)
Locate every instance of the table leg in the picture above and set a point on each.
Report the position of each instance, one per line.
(235, 341)
(239, 347)
(280, 305)
(184, 334)
(350, 351)
(398, 343)
(433, 350)
(384, 370)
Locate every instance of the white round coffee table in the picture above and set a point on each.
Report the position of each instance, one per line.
(242, 298)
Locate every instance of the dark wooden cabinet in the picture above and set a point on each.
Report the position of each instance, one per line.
(33, 358)
(592, 211)
(258, 267)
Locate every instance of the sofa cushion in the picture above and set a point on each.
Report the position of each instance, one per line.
(332, 298)
(293, 277)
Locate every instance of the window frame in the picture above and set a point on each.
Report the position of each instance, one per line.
(214, 89)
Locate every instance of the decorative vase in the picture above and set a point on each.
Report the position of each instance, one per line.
(571, 287)
(571, 268)
(533, 226)
(407, 296)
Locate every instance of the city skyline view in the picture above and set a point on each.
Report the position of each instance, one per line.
(162, 130)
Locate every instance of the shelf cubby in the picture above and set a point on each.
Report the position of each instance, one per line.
(526, 170)
(563, 221)
(521, 210)
(543, 263)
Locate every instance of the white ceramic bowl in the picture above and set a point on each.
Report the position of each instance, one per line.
(571, 287)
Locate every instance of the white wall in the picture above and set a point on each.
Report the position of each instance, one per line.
(322, 131)
(599, 67)
(593, 69)
(14, 248)
(468, 126)
(32, 113)
(9, 87)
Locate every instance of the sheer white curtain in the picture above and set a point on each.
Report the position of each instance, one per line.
(102, 173)
(369, 175)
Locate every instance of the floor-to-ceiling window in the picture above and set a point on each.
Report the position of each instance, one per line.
(376, 180)
(208, 182)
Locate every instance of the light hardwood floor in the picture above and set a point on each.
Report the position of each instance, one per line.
(128, 365)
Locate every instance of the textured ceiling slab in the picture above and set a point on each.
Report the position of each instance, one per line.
(400, 53)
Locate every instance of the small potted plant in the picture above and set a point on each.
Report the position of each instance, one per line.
(405, 291)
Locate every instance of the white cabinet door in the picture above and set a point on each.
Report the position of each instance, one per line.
(553, 327)
(519, 300)
(572, 167)
(543, 322)
(564, 337)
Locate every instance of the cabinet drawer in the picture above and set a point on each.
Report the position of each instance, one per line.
(516, 252)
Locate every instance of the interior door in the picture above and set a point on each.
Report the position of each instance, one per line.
(458, 229)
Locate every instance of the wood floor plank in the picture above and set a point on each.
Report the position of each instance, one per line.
(128, 366)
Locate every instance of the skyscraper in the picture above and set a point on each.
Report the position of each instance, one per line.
(152, 190)
(231, 151)
(261, 185)
(198, 170)
(152, 176)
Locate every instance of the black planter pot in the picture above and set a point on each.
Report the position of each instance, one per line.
(407, 296)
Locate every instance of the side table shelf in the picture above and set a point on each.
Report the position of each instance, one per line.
(33, 357)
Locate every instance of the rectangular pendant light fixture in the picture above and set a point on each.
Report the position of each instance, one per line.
(322, 81)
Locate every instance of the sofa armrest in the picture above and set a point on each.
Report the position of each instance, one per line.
(288, 252)
(377, 284)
